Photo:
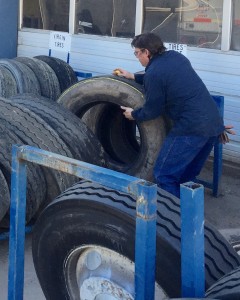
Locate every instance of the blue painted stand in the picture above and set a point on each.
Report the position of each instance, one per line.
(145, 193)
(217, 158)
(192, 240)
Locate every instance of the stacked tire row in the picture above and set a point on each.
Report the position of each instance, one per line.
(30, 116)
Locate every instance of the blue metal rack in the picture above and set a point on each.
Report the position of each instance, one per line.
(146, 204)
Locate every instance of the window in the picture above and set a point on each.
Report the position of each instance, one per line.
(192, 22)
(235, 41)
(106, 17)
(46, 14)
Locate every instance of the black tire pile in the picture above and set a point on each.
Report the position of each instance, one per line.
(31, 116)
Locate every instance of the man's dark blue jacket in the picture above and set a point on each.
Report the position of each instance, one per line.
(173, 88)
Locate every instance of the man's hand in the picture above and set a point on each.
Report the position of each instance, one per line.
(127, 112)
(123, 73)
(223, 137)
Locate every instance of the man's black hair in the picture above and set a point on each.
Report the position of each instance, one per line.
(149, 41)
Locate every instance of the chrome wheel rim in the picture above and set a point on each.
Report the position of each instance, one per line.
(98, 273)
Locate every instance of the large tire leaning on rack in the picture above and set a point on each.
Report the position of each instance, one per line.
(72, 131)
(90, 223)
(48, 81)
(36, 184)
(8, 85)
(34, 131)
(25, 78)
(116, 133)
(64, 72)
(227, 287)
(4, 196)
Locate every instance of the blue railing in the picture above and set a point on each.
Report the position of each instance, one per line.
(146, 205)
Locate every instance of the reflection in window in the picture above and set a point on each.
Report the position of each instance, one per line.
(106, 17)
(235, 44)
(192, 22)
(46, 14)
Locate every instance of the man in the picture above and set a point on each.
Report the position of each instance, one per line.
(173, 88)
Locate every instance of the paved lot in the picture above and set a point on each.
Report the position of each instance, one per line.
(223, 212)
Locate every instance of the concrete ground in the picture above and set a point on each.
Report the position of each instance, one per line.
(223, 212)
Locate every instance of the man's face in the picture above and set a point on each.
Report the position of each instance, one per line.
(142, 55)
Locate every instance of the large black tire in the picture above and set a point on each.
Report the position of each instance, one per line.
(227, 287)
(72, 131)
(90, 214)
(8, 85)
(25, 78)
(34, 131)
(36, 184)
(4, 196)
(48, 81)
(64, 72)
(113, 92)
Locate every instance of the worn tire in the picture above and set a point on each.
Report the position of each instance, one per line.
(8, 85)
(48, 81)
(72, 131)
(34, 131)
(227, 287)
(64, 72)
(113, 92)
(90, 214)
(24, 76)
(4, 196)
(36, 185)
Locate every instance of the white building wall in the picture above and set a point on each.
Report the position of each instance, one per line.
(219, 70)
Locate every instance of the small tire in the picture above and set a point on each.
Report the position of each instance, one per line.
(91, 214)
(113, 92)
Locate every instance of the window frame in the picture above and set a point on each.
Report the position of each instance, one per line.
(226, 21)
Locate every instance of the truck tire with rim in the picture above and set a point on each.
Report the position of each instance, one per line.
(89, 227)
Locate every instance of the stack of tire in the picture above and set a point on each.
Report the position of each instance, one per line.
(31, 116)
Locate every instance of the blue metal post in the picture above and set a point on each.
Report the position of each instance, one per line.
(145, 243)
(17, 227)
(192, 240)
(145, 192)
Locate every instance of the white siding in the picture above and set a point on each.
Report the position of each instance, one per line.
(219, 70)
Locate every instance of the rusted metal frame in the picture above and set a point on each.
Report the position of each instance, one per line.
(145, 193)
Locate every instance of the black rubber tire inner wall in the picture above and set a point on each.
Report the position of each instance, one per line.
(113, 92)
(90, 214)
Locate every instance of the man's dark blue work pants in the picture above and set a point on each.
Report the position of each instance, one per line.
(180, 160)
